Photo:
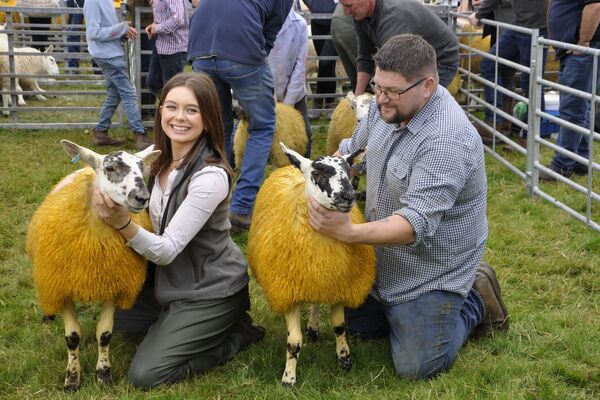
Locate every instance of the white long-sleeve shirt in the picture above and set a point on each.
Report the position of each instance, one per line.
(207, 189)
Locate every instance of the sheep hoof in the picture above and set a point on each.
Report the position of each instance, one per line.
(71, 382)
(345, 363)
(287, 384)
(103, 376)
(46, 319)
(313, 334)
(71, 388)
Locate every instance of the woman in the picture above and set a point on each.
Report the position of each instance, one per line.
(193, 305)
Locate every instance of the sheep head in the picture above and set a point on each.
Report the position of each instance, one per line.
(360, 104)
(118, 174)
(49, 63)
(327, 178)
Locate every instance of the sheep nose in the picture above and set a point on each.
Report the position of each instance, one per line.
(141, 199)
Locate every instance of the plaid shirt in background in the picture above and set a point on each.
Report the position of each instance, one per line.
(432, 172)
(172, 26)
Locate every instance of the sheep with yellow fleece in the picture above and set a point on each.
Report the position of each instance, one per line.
(78, 257)
(289, 128)
(346, 115)
(295, 264)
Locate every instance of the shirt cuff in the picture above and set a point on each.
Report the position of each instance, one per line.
(344, 146)
(417, 223)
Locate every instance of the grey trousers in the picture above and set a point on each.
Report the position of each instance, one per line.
(185, 338)
(345, 41)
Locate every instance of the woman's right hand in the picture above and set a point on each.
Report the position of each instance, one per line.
(111, 213)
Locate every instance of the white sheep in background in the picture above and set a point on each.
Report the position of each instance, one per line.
(295, 264)
(25, 64)
(346, 115)
(78, 257)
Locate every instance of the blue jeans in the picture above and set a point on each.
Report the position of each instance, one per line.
(425, 333)
(513, 46)
(253, 87)
(74, 19)
(162, 68)
(118, 87)
(446, 73)
(575, 72)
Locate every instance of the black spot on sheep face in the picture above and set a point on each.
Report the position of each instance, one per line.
(121, 177)
(330, 185)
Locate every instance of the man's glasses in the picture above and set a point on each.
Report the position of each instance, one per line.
(391, 93)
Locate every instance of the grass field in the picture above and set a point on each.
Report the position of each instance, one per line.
(547, 262)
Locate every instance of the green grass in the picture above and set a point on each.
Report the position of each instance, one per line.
(547, 262)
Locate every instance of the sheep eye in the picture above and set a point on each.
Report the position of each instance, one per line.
(109, 168)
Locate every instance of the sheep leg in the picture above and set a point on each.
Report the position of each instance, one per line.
(312, 329)
(294, 344)
(36, 88)
(72, 337)
(103, 335)
(20, 99)
(341, 346)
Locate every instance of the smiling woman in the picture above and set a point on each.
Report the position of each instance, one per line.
(197, 289)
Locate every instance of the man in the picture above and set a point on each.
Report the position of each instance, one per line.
(230, 41)
(344, 39)
(573, 22)
(378, 20)
(425, 213)
(514, 46)
(287, 61)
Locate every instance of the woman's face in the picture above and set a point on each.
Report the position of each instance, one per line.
(180, 116)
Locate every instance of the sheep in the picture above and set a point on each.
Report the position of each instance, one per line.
(345, 117)
(295, 264)
(78, 257)
(289, 127)
(25, 64)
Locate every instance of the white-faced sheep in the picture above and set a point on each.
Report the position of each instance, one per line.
(78, 257)
(346, 115)
(295, 264)
(289, 128)
(28, 63)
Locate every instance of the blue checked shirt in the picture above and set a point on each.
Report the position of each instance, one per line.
(432, 172)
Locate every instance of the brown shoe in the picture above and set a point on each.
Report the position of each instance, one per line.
(239, 222)
(101, 138)
(142, 141)
(495, 316)
(486, 137)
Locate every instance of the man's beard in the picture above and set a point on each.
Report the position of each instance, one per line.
(397, 118)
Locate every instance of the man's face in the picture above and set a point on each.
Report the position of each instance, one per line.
(359, 9)
(400, 108)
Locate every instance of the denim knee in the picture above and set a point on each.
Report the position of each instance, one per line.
(420, 368)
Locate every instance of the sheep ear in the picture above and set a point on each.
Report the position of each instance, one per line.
(296, 159)
(49, 49)
(351, 97)
(80, 153)
(356, 157)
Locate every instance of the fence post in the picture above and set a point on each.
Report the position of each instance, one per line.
(533, 121)
(11, 66)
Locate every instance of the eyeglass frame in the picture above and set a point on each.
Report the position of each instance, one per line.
(395, 93)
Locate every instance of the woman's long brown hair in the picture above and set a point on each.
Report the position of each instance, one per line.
(208, 102)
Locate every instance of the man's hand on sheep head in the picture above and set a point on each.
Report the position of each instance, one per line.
(328, 188)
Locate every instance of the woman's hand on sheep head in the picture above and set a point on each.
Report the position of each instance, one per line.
(333, 223)
(111, 213)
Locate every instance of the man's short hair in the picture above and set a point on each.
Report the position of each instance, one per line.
(408, 55)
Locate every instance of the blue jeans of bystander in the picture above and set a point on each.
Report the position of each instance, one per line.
(425, 333)
(253, 87)
(576, 73)
(118, 87)
(513, 46)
